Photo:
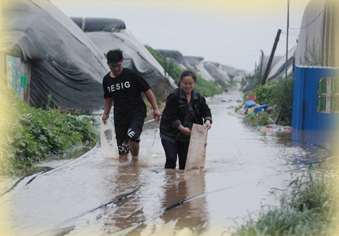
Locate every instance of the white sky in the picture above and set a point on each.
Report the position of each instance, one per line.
(230, 32)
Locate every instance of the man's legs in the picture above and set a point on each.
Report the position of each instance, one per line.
(123, 151)
(134, 133)
(123, 158)
(132, 145)
(134, 149)
(128, 135)
(122, 140)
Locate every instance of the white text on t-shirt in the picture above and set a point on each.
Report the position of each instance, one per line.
(118, 86)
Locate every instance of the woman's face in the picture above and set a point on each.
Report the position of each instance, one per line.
(187, 84)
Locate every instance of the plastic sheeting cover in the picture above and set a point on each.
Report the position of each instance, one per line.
(136, 56)
(198, 64)
(264, 62)
(318, 38)
(193, 61)
(99, 24)
(279, 69)
(215, 71)
(65, 63)
(176, 55)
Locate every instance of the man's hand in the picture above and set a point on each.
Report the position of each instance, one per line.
(150, 96)
(105, 118)
(156, 114)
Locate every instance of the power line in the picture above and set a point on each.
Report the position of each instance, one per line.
(310, 22)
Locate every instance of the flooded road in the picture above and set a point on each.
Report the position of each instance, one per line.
(93, 195)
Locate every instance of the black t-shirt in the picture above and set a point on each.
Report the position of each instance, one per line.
(126, 92)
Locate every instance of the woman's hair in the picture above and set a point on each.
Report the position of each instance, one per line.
(187, 73)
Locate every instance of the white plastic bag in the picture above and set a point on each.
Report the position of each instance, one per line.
(108, 141)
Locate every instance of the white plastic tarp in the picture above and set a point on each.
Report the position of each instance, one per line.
(279, 69)
(216, 71)
(318, 43)
(198, 64)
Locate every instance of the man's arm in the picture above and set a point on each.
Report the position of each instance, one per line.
(108, 106)
(150, 97)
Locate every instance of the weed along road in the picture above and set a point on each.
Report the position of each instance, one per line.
(93, 195)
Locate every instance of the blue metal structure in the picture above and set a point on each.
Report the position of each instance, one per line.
(305, 99)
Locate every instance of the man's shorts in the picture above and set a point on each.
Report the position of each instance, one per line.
(129, 130)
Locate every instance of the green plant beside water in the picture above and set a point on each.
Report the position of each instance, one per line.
(260, 119)
(278, 93)
(36, 134)
(264, 93)
(308, 207)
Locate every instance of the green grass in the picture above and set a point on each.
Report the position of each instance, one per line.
(308, 207)
(36, 134)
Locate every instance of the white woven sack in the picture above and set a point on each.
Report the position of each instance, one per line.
(109, 147)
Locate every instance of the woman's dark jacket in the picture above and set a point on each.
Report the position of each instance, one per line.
(177, 113)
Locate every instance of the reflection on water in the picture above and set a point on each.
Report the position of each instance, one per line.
(128, 207)
(181, 205)
(316, 145)
(311, 146)
(192, 214)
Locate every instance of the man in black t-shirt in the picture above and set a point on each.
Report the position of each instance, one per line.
(123, 87)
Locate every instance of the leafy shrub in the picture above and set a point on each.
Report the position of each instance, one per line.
(264, 93)
(8, 115)
(36, 134)
(42, 133)
(279, 93)
(283, 98)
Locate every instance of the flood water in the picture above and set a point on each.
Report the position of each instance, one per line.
(93, 195)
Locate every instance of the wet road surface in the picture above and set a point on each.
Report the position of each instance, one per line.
(93, 195)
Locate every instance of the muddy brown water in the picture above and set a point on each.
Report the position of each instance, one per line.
(93, 195)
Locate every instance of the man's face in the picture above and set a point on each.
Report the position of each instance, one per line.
(116, 68)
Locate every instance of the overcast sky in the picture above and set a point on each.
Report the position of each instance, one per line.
(230, 32)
